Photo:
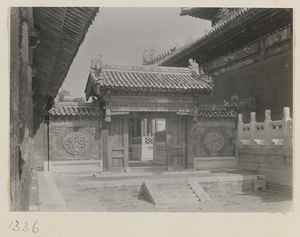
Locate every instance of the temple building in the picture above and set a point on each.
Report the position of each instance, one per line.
(249, 56)
(134, 99)
(180, 110)
(142, 113)
(248, 53)
(222, 102)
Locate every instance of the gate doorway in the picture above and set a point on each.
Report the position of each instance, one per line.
(126, 92)
(158, 141)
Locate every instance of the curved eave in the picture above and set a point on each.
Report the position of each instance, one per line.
(61, 30)
(228, 31)
(202, 13)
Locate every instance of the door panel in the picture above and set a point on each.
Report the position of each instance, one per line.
(176, 141)
(117, 153)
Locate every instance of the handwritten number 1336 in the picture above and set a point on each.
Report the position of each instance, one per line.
(17, 226)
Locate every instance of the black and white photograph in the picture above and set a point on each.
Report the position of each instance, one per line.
(133, 110)
(162, 110)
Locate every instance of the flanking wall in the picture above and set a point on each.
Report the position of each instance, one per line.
(74, 138)
(213, 144)
(266, 147)
(74, 145)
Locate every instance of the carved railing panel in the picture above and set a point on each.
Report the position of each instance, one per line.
(277, 132)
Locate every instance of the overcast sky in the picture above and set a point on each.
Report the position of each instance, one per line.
(120, 35)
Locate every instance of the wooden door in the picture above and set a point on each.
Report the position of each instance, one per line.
(176, 132)
(119, 142)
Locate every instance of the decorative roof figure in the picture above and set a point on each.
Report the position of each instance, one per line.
(194, 67)
(148, 57)
(96, 64)
(145, 56)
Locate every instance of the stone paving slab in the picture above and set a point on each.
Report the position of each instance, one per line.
(62, 192)
(50, 197)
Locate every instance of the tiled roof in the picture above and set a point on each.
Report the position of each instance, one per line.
(203, 13)
(74, 109)
(61, 31)
(162, 57)
(148, 78)
(212, 113)
(224, 30)
(243, 104)
(217, 16)
(215, 32)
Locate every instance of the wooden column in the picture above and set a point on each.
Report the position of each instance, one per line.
(135, 127)
(153, 126)
(46, 145)
(126, 144)
(145, 127)
(26, 121)
(14, 109)
(168, 143)
(189, 144)
(182, 140)
(142, 127)
(107, 162)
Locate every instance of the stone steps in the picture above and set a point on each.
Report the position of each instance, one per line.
(177, 192)
(162, 189)
(173, 187)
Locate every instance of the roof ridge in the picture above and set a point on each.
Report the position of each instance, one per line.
(216, 30)
(145, 68)
(73, 104)
(162, 56)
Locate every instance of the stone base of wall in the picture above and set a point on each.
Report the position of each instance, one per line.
(274, 162)
(211, 163)
(74, 166)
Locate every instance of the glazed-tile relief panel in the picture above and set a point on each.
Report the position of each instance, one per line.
(212, 141)
(74, 143)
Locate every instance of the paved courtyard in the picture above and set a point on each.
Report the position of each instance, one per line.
(65, 192)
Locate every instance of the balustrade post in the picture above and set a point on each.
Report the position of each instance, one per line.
(240, 126)
(267, 125)
(253, 126)
(286, 117)
(287, 134)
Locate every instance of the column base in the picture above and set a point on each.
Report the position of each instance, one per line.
(190, 166)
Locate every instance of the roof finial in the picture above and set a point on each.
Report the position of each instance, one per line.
(148, 56)
(96, 64)
(194, 67)
(198, 72)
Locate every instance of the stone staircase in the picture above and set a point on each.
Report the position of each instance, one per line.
(174, 191)
(177, 192)
(173, 188)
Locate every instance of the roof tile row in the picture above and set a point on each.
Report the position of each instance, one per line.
(237, 19)
(74, 109)
(149, 78)
(210, 113)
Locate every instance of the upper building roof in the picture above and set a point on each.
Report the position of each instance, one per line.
(146, 78)
(217, 16)
(242, 27)
(203, 13)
